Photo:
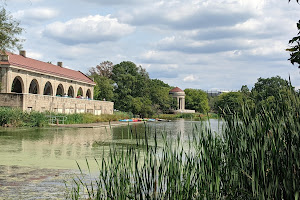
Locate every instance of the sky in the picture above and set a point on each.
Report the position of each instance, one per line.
(201, 44)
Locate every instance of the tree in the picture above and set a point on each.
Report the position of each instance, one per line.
(245, 89)
(130, 81)
(230, 102)
(269, 92)
(266, 87)
(196, 100)
(105, 69)
(295, 49)
(104, 89)
(9, 30)
(159, 95)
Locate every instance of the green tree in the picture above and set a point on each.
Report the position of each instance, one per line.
(159, 95)
(142, 106)
(196, 99)
(104, 88)
(101, 74)
(230, 102)
(130, 81)
(295, 48)
(266, 87)
(268, 92)
(9, 32)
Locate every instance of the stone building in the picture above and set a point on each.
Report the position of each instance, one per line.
(179, 95)
(30, 84)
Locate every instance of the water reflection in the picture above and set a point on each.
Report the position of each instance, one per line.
(59, 148)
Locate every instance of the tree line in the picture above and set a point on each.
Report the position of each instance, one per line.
(266, 94)
(132, 90)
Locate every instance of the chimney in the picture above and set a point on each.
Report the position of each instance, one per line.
(23, 53)
(60, 64)
(4, 57)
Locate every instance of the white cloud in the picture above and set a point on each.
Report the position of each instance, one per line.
(34, 55)
(91, 29)
(189, 14)
(36, 15)
(189, 78)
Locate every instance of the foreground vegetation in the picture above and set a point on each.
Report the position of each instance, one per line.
(12, 117)
(255, 156)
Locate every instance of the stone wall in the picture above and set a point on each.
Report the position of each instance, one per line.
(11, 100)
(29, 102)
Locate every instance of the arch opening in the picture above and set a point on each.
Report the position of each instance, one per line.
(34, 87)
(71, 92)
(79, 92)
(48, 89)
(60, 90)
(17, 85)
(88, 94)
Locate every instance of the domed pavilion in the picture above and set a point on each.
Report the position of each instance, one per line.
(179, 95)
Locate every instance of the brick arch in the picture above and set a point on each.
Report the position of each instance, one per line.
(17, 85)
(88, 94)
(60, 91)
(48, 89)
(34, 87)
(71, 91)
(80, 92)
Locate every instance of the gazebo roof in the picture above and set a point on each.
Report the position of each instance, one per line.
(176, 89)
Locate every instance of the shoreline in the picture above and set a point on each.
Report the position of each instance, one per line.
(96, 125)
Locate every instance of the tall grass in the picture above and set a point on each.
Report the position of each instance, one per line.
(256, 156)
(16, 118)
(84, 118)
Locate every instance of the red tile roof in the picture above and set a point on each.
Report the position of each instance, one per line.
(177, 89)
(45, 68)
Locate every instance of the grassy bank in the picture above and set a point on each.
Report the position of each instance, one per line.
(256, 156)
(85, 118)
(12, 117)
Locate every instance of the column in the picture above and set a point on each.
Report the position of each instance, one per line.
(183, 103)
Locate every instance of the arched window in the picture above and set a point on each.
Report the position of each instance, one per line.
(17, 85)
(88, 94)
(80, 92)
(71, 92)
(34, 87)
(60, 90)
(48, 89)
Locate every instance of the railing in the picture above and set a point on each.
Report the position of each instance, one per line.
(57, 119)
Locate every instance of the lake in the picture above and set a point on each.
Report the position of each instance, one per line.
(35, 162)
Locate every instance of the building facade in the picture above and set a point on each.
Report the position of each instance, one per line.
(30, 84)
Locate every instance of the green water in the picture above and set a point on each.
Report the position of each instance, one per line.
(59, 148)
(42, 157)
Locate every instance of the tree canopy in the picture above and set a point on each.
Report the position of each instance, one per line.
(196, 99)
(9, 32)
(295, 48)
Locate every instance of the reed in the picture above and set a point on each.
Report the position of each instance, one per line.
(256, 156)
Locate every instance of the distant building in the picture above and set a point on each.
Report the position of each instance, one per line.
(179, 95)
(30, 84)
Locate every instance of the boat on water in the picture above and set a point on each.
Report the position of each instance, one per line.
(144, 120)
(138, 120)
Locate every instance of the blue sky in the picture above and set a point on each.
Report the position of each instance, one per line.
(203, 44)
